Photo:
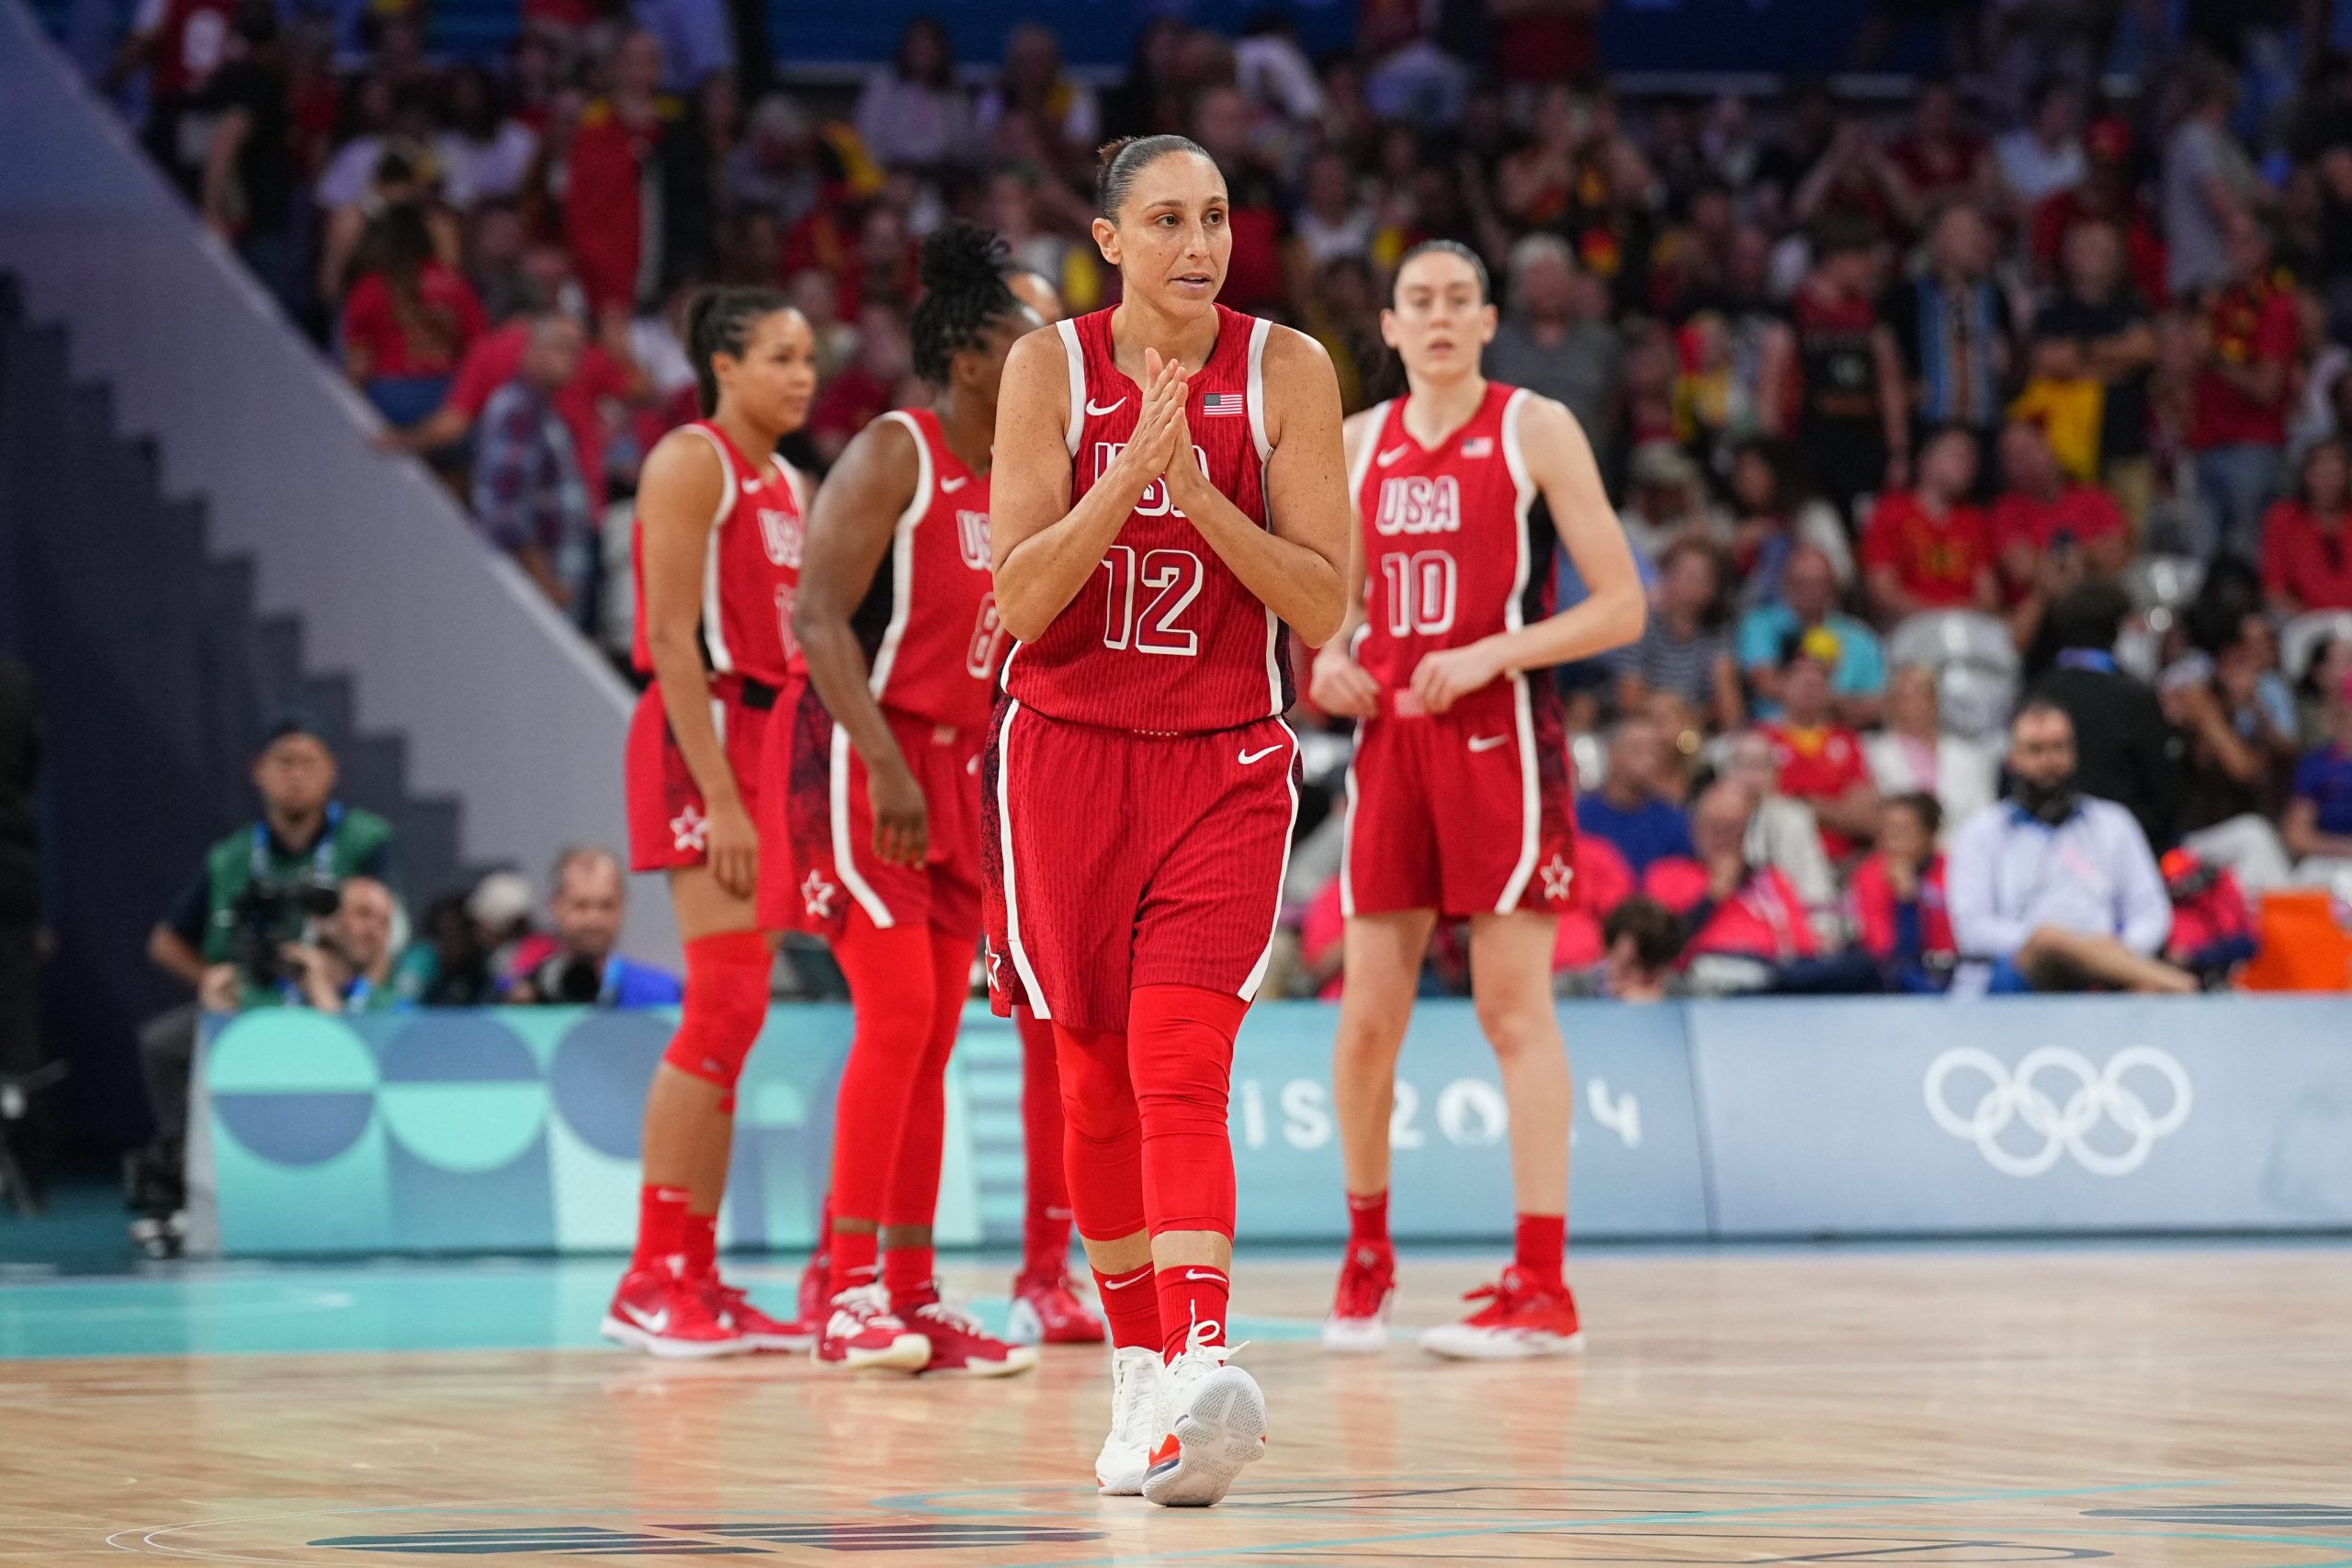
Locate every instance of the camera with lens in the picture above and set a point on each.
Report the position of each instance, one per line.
(569, 980)
(266, 916)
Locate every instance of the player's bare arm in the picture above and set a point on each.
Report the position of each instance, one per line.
(1297, 565)
(1044, 548)
(1559, 460)
(1337, 684)
(849, 533)
(684, 480)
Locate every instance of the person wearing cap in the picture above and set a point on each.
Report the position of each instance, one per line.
(303, 836)
(1820, 760)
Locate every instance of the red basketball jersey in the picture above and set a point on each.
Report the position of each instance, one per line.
(1457, 544)
(929, 624)
(1164, 638)
(751, 572)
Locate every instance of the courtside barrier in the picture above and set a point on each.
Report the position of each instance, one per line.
(516, 1129)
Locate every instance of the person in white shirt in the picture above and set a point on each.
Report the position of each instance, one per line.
(2044, 155)
(2052, 890)
(1912, 755)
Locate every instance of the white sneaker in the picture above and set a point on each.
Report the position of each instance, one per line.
(1213, 1422)
(1134, 1422)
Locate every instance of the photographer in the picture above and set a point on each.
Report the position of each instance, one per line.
(347, 966)
(262, 886)
(590, 899)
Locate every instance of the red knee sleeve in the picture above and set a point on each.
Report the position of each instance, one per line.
(913, 1196)
(891, 991)
(1101, 1139)
(1180, 1050)
(1045, 1216)
(727, 1001)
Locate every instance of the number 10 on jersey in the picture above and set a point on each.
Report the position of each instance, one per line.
(1173, 580)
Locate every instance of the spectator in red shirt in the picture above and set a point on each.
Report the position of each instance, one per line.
(408, 320)
(1939, 158)
(2108, 193)
(1222, 122)
(868, 386)
(1929, 549)
(1820, 762)
(2306, 555)
(2048, 531)
(600, 378)
(1731, 908)
(2246, 336)
(636, 137)
(1896, 902)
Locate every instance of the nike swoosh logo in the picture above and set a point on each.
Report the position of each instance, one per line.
(1389, 457)
(1197, 1274)
(1099, 409)
(651, 1322)
(952, 486)
(1486, 742)
(1249, 757)
(1124, 1284)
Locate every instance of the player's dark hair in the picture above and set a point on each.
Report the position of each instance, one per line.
(1121, 161)
(963, 292)
(720, 320)
(1926, 808)
(1451, 248)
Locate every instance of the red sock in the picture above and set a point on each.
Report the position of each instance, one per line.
(1368, 1220)
(907, 1275)
(1192, 1296)
(660, 1224)
(1045, 1218)
(1542, 1246)
(700, 1239)
(853, 1260)
(1131, 1305)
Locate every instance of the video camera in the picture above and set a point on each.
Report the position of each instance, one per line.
(266, 916)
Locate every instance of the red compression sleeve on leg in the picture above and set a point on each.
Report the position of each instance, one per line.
(1180, 1050)
(1103, 1140)
(912, 1198)
(1044, 1229)
(889, 991)
(726, 1003)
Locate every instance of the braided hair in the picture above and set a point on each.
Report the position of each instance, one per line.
(1120, 161)
(964, 293)
(721, 321)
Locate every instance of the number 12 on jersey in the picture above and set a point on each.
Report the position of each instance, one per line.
(1173, 578)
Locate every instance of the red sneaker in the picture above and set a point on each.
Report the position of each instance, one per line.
(862, 1334)
(960, 1345)
(657, 1312)
(1359, 1320)
(1047, 1310)
(755, 1328)
(1521, 1318)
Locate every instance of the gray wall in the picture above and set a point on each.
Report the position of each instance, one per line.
(500, 704)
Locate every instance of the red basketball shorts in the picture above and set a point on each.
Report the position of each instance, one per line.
(667, 826)
(1115, 859)
(1466, 813)
(817, 804)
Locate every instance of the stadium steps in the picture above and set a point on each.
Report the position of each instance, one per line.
(209, 668)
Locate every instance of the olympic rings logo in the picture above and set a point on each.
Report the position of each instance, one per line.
(2064, 1127)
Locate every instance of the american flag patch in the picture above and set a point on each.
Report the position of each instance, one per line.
(1478, 447)
(1228, 403)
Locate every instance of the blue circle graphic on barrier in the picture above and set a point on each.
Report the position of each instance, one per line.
(462, 1092)
(599, 1076)
(292, 1086)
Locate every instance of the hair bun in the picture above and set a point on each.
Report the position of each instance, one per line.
(1108, 154)
(955, 254)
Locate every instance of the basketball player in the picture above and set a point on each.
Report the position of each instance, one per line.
(1170, 493)
(899, 637)
(717, 544)
(1458, 801)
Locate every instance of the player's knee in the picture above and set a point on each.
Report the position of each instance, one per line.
(727, 1002)
(1515, 1028)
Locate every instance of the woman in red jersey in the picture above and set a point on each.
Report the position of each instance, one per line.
(1170, 493)
(1458, 801)
(879, 795)
(717, 544)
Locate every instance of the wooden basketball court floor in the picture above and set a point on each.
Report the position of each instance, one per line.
(2174, 1404)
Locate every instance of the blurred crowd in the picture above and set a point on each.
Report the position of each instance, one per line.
(1921, 408)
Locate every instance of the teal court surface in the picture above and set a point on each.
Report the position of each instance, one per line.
(2123, 1403)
